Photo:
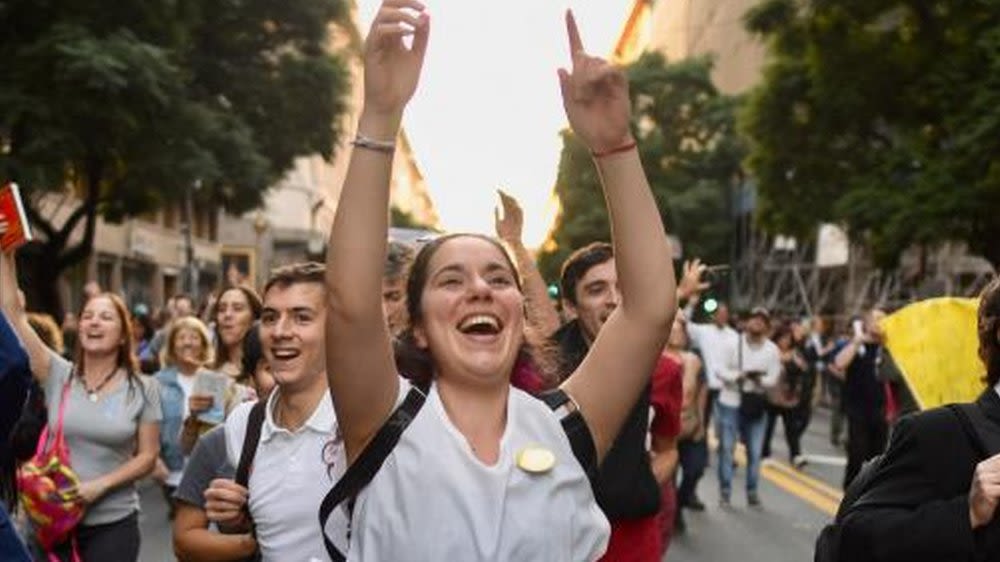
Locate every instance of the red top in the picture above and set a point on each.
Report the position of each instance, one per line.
(666, 397)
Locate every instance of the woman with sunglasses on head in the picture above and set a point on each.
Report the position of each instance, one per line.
(488, 459)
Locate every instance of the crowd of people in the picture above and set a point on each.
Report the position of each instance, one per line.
(421, 403)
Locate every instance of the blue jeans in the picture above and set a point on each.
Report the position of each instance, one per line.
(729, 426)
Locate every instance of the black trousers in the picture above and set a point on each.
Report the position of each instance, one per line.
(117, 541)
(795, 420)
(693, 458)
(866, 438)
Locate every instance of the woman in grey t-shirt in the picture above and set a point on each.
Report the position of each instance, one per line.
(111, 422)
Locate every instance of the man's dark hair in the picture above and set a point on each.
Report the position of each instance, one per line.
(989, 324)
(304, 272)
(579, 263)
(184, 297)
(253, 352)
(397, 260)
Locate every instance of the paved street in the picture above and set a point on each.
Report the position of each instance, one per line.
(785, 529)
(795, 509)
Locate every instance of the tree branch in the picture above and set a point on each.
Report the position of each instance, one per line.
(38, 221)
(94, 169)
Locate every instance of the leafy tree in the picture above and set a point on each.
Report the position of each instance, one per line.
(691, 154)
(883, 115)
(403, 219)
(128, 104)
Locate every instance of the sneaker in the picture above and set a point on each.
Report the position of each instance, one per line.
(695, 504)
(799, 462)
(753, 500)
(724, 502)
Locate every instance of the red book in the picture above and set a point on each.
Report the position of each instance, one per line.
(13, 222)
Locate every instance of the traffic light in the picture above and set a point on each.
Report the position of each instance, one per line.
(710, 305)
(554, 291)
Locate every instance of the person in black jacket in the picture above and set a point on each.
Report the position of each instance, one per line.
(932, 497)
(15, 378)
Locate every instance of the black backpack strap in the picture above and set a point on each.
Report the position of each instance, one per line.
(978, 428)
(249, 450)
(580, 438)
(366, 466)
(250, 441)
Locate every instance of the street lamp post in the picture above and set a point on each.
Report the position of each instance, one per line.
(190, 269)
(260, 226)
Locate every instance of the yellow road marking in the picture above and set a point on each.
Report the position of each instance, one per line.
(801, 490)
(817, 485)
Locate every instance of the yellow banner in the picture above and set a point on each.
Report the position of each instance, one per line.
(935, 345)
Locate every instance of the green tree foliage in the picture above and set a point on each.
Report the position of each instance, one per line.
(399, 218)
(129, 103)
(691, 154)
(883, 115)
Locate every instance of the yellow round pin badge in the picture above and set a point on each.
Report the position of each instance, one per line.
(535, 459)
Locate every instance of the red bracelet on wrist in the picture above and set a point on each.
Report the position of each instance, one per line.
(611, 151)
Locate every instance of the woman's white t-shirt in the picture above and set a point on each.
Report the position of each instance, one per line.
(433, 499)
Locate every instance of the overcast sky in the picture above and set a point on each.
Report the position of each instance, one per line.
(488, 112)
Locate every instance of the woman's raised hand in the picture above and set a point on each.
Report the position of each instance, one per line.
(595, 95)
(392, 70)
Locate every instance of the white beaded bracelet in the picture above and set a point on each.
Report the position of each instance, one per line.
(387, 147)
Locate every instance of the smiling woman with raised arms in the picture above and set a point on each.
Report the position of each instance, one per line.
(482, 471)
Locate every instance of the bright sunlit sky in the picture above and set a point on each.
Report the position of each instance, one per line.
(488, 111)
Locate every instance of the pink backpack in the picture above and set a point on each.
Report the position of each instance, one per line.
(47, 486)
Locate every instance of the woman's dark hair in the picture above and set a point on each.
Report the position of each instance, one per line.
(411, 360)
(784, 329)
(253, 352)
(146, 322)
(988, 320)
(256, 306)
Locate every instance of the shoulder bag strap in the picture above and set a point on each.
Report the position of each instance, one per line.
(739, 360)
(58, 439)
(977, 428)
(575, 426)
(366, 466)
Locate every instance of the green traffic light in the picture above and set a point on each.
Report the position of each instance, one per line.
(711, 305)
(554, 291)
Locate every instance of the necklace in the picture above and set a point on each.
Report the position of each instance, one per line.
(92, 392)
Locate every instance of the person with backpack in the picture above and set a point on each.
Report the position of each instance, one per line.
(282, 445)
(467, 467)
(933, 495)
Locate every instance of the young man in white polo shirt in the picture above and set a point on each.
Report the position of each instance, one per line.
(294, 462)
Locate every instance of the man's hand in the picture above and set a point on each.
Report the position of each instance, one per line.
(691, 283)
(985, 492)
(511, 225)
(224, 503)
